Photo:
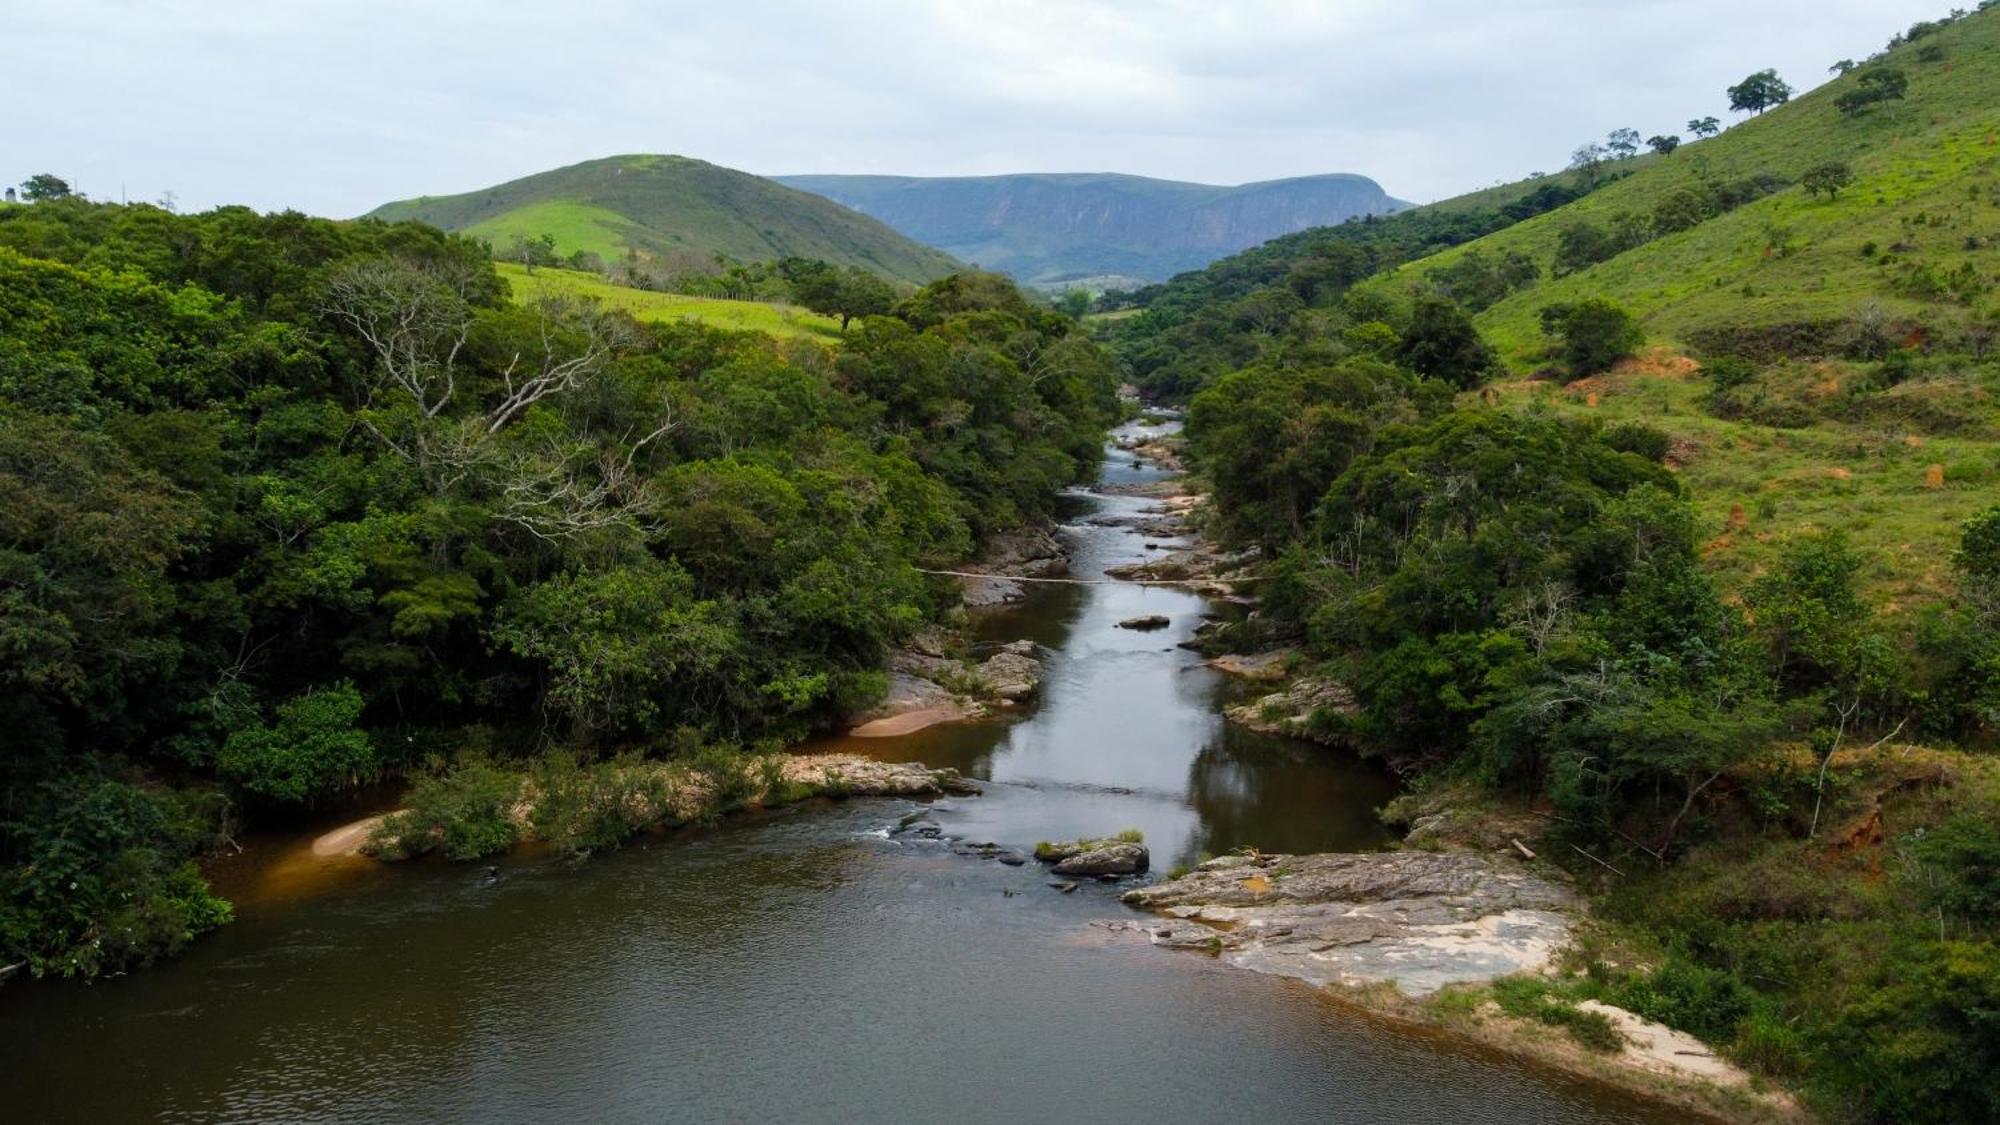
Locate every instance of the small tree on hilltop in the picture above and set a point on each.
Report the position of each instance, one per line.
(1759, 92)
(1595, 334)
(1664, 144)
(1828, 179)
(1623, 143)
(1704, 127)
(44, 188)
(1842, 68)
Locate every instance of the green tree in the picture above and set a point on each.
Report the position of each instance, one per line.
(1623, 143)
(1704, 127)
(1876, 86)
(1663, 144)
(1441, 343)
(1759, 92)
(313, 750)
(1583, 244)
(1594, 334)
(1827, 179)
(45, 188)
(844, 293)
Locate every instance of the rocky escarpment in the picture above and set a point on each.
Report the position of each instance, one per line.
(1418, 920)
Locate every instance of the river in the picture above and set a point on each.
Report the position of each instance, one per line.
(805, 965)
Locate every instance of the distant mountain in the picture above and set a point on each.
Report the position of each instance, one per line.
(1050, 228)
(675, 212)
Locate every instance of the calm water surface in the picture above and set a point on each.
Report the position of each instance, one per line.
(804, 965)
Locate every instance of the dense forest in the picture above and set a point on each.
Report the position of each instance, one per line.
(288, 504)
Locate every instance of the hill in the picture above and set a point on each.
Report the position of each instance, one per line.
(1046, 229)
(674, 213)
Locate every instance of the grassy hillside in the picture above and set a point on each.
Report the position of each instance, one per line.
(1896, 451)
(676, 212)
(1926, 199)
(740, 316)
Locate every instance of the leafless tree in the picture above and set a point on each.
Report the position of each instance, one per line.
(415, 316)
(576, 340)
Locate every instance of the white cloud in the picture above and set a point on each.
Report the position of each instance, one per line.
(333, 107)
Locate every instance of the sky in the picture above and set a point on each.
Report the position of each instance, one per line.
(335, 106)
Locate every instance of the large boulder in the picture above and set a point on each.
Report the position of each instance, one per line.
(1116, 855)
(1112, 859)
(1010, 675)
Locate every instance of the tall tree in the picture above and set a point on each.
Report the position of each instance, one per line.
(1623, 143)
(44, 187)
(1704, 127)
(1759, 92)
(1664, 143)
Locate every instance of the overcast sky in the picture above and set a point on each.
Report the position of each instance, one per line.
(334, 106)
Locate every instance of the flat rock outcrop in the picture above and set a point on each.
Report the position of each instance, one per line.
(855, 776)
(1290, 712)
(1418, 920)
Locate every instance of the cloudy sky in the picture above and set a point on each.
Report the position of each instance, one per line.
(334, 106)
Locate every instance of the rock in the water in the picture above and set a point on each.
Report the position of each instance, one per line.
(1064, 885)
(1420, 920)
(1011, 859)
(1146, 624)
(1110, 859)
(854, 776)
(1010, 675)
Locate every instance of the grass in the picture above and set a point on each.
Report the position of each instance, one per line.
(575, 226)
(1925, 203)
(646, 305)
(1927, 179)
(1756, 486)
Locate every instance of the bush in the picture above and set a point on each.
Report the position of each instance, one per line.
(1540, 1000)
(1707, 1003)
(1594, 334)
(314, 749)
(466, 813)
(103, 881)
(1640, 439)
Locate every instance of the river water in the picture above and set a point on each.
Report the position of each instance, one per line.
(804, 965)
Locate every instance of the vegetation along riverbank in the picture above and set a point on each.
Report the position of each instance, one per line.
(1642, 516)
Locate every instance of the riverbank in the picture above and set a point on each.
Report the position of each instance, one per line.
(484, 810)
(1455, 941)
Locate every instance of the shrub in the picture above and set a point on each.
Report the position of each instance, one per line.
(313, 749)
(103, 882)
(1707, 1003)
(1542, 1001)
(466, 813)
(1594, 334)
(1640, 439)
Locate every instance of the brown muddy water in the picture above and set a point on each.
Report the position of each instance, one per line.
(805, 965)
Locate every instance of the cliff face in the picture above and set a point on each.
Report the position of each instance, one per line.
(1043, 228)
